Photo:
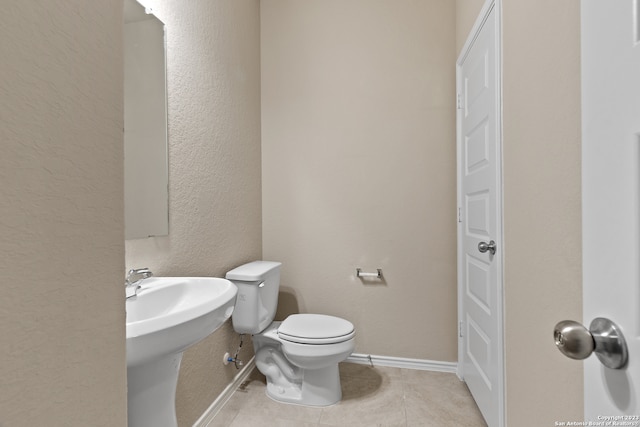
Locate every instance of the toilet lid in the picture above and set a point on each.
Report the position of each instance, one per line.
(315, 329)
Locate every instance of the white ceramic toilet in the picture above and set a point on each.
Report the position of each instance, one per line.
(300, 355)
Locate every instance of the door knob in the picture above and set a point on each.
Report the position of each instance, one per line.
(603, 338)
(484, 247)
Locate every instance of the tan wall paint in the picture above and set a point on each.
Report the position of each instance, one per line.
(466, 13)
(62, 319)
(542, 184)
(62, 203)
(213, 60)
(359, 168)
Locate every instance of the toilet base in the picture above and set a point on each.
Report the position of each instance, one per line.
(319, 387)
(300, 374)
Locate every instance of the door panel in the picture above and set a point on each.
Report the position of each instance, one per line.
(478, 279)
(480, 221)
(476, 148)
(611, 193)
(478, 214)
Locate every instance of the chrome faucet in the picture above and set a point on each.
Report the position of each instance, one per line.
(132, 282)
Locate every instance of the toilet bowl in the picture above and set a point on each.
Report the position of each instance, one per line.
(314, 341)
(299, 356)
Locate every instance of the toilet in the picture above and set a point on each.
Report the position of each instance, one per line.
(300, 355)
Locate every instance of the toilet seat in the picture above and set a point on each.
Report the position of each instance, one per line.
(315, 329)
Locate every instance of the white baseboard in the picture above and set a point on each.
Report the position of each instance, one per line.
(401, 362)
(224, 397)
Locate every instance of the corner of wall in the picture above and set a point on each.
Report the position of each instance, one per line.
(215, 206)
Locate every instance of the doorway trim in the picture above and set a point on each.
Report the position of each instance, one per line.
(496, 6)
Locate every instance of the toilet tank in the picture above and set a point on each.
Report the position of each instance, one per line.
(258, 283)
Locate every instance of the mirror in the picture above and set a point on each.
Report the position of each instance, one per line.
(146, 176)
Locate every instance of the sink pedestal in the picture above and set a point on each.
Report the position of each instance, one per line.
(165, 317)
(151, 396)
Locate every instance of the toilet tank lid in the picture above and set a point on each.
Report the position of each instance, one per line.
(252, 272)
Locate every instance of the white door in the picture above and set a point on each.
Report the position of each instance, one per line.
(480, 222)
(611, 193)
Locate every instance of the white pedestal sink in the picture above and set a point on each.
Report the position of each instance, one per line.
(168, 315)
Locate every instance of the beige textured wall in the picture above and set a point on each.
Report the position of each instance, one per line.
(359, 166)
(466, 13)
(542, 180)
(62, 319)
(213, 61)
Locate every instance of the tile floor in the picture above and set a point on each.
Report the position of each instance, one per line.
(371, 396)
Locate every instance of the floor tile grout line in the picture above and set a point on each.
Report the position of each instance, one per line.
(404, 398)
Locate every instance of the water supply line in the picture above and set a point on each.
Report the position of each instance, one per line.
(237, 362)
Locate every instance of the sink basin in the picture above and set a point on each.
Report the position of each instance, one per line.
(168, 315)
